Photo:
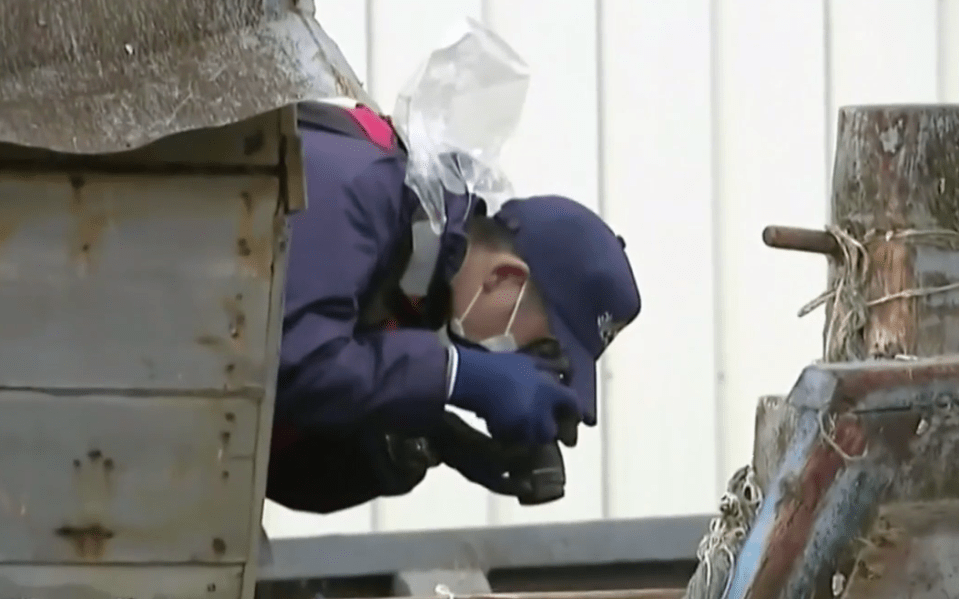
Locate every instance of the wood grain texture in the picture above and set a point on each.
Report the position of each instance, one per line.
(896, 181)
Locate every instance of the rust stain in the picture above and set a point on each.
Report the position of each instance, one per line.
(237, 321)
(254, 248)
(254, 142)
(91, 222)
(89, 542)
(211, 341)
(95, 490)
(797, 511)
(234, 338)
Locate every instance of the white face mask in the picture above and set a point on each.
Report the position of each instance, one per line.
(497, 343)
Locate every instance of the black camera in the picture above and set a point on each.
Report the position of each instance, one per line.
(544, 469)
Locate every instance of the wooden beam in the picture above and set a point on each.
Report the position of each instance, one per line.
(896, 192)
(856, 507)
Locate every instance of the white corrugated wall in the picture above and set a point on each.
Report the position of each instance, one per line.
(690, 125)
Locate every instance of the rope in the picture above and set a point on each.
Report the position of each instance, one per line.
(843, 338)
(718, 549)
(826, 434)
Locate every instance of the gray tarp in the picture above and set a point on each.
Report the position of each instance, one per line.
(99, 76)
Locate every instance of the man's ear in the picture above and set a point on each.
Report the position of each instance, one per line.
(507, 270)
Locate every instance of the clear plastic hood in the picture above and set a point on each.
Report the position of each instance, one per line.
(454, 115)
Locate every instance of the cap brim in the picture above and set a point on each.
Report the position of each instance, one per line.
(582, 367)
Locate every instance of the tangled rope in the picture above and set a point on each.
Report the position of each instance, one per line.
(718, 549)
(849, 308)
(827, 428)
(738, 508)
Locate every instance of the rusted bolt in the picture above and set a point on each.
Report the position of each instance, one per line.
(85, 247)
(95, 454)
(76, 181)
(230, 417)
(219, 546)
(243, 247)
(225, 474)
(76, 463)
(108, 464)
(225, 436)
(230, 367)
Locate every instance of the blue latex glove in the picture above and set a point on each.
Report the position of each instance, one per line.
(518, 401)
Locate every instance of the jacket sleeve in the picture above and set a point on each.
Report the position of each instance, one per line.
(331, 375)
(339, 470)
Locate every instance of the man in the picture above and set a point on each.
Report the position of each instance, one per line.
(365, 380)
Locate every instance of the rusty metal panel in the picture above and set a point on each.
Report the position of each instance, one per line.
(252, 142)
(127, 281)
(116, 582)
(125, 479)
(96, 76)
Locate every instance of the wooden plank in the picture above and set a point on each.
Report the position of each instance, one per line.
(249, 143)
(114, 582)
(865, 500)
(95, 478)
(257, 541)
(128, 281)
(775, 425)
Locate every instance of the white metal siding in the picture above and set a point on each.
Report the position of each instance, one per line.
(690, 124)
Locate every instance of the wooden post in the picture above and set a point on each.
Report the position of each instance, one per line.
(865, 504)
(896, 191)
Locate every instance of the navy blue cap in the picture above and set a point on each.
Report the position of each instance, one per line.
(580, 267)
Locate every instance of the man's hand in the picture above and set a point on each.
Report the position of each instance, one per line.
(519, 401)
